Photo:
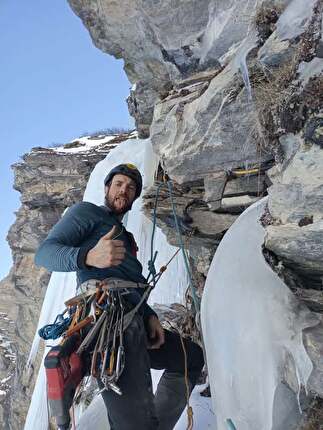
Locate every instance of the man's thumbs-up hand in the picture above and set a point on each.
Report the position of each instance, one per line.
(107, 252)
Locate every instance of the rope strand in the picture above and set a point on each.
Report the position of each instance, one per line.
(189, 408)
(194, 296)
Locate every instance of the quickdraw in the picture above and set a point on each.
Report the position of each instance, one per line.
(98, 316)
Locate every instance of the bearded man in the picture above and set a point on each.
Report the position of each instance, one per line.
(92, 241)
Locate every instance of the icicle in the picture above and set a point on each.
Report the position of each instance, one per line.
(245, 75)
(299, 391)
(241, 59)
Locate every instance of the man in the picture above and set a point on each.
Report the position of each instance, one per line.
(92, 241)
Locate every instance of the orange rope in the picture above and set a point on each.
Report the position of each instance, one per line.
(164, 268)
(189, 408)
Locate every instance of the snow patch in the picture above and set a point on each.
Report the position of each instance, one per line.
(83, 144)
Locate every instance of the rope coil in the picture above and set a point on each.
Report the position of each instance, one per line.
(55, 330)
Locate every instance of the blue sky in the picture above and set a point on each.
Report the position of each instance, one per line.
(54, 85)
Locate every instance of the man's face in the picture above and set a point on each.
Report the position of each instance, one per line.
(120, 194)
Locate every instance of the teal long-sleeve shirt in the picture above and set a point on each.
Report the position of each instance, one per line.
(79, 230)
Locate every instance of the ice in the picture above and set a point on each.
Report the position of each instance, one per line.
(240, 59)
(217, 22)
(250, 321)
(170, 289)
(294, 19)
(60, 288)
(238, 50)
(309, 70)
(37, 417)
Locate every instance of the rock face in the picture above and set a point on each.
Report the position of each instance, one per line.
(230, 93)
(162, 41)
(227, 90)
(49, 180)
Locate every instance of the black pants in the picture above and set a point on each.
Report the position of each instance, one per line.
(137, 408)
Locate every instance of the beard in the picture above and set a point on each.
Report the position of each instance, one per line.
(115, 206)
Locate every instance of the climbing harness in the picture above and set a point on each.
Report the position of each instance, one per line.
(98, 317)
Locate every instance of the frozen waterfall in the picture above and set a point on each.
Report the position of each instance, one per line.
(250, 322)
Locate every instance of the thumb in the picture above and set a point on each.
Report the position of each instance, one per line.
(110, 234)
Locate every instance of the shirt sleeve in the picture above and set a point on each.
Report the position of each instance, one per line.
(62, 250)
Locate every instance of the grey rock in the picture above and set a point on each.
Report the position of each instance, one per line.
(313, 131)
(237, 204)
(298, 190)
(214, 187)
(312, 298)
(299, 247)
(158, 41)
(294, 21)
(226, 29)
(216, 130)
(179, 319)
(290, 144)
(319, 49)
(286, 414)
(313, 341)
(163, 41)
(248, 184)
(199, 226)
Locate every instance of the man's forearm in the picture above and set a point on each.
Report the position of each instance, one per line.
(57, 257)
